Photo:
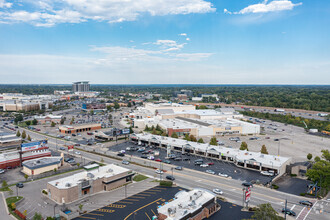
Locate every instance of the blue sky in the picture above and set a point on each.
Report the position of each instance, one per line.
(165, 41)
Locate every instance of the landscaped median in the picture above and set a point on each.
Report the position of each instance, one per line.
(139, 177)
(11, 203)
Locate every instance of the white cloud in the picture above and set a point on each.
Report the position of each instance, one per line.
(169, 45)
(183, 34)
(4, 4)
(49, 13)
(187, 39)
(265, 7)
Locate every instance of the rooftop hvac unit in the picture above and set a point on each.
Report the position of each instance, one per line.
(110, 170)
(67, 185)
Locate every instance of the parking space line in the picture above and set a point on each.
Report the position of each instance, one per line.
(116, 206)
(142, 208)
(148, 216)
(138, 197)
(123, 202)
(90, 213)
(135, 200)
(86, 217)
(142, 194)
(292, 207)
(153, 212)
(105, 210)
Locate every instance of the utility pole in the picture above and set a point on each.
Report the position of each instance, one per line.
(16, 192)
(286, 202)
(125, 191)
(243, 197)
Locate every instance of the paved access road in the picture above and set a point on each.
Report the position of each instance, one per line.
(232, 188)
(143, 205)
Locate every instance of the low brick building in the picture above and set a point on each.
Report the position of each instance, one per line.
(196, 204)
(71, 129)
(92, 180)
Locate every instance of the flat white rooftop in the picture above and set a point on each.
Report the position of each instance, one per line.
(102, 172)
(186, 203)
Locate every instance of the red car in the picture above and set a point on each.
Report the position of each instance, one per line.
(158, 160)
(210, 163)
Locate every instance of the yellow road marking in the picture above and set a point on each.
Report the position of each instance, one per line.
(116, 206)
(153, 212)
(93, 214)
(138, 197)
(86, 217)
(142, 208)
(105, 210)
(143, 194)
(124, 202)
(148, 216)
(135, 200)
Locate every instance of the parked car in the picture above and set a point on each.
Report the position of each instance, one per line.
(167, 161)
(211, 163)
(120, 154)
(144, 156)
(20, 185)
(267, 173)
(288, 212)
(210, 171)
(62, 148)
(2, 171)
(169, 177)
(151, 157)
(158, 160)
(178, 158)
(178, 168)
(305, 202)
(158, 171)
(204, 165)
(125, 162)
(77, 152)
(223, 174)
(217, 191)
(247, 184)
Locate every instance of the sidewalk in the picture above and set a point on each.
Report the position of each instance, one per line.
(3, 209)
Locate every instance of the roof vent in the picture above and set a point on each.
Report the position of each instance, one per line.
(67, 185)
(90, 175)
(110, 170)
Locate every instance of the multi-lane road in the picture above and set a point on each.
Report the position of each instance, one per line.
(232, 188)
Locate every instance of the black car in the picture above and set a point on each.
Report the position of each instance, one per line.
(144, 156)
(247, 184)
(19, 185)
(67, 159)
(169, 177)
(120, 154)
(288, 212)
(178, 158)
(186, 159)
(307, 203)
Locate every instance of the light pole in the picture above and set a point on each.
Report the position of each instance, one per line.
(16, 192)
(54, 209)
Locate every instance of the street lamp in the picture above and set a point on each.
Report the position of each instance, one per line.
(54, 209)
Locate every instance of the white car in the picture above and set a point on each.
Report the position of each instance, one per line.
(266, 173)
(210, 172)
(223, 174)
(77, 152)
(158, 171)
(217, 191)
(204, 165)
(2, 171)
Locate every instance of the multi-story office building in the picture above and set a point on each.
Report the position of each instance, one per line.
(80, 86)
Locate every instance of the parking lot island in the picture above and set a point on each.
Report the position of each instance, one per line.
(93, 179)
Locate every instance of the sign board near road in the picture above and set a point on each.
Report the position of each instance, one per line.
(125, 131)
(247, 194)
(33, 145)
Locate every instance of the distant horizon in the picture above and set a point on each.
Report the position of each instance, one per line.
(165, 84)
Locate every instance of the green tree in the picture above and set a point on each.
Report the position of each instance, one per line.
(266, 212)
(28, 123)
(244, 146)
(193, 138)
(80, 207)
(131, 131)
(18, 134)
(154, 131)
(320, 171)
(91, 112)
(174, 135)
(186, 137)
(309, 156)
(23, 134)
(129, 104)
(53, 124)
(200, 141)
(4, 184)
(34, 122)
(264, 149)
(116, 105)
(62, 121)
(213, 141)
(29, 138)
(37, 216)
(164, 134)
(158, 128)
(146, 128)
(26, 177)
